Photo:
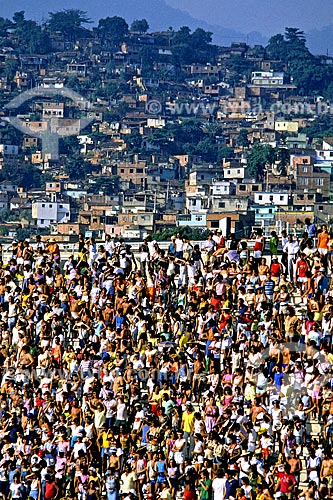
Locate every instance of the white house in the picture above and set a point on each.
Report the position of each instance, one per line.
(267, 78)
(324, 155)
(9, 150)
(328, 144)
(222, 188)
(231, 171)
(268, 198)
(47, 212)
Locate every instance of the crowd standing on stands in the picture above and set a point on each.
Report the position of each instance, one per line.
(195, 372)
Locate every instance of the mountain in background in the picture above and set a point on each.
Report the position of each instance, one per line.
(161, 15)
(321, 41)
(158, 13)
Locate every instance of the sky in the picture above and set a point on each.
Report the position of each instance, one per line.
(265, 16)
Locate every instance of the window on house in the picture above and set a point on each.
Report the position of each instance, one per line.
(260, 197)
(270, 210)
(305, 170)
(221, 204)
(42, 221)
(131, 170)
(67, 214)
(319, 182)
(242, 188)
(198, 218)
(43, 204)
(255, 188)
(238, 171)
(281, 198)
(50, 206)
(122, 170)
(61, 206)
(139, 170)
(321, 153)
(321, 208)
(305, 181)
(214, 224)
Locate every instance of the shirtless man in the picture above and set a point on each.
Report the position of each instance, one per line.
(295, 465)
(198, 371)
(326, 471)
(256, 409)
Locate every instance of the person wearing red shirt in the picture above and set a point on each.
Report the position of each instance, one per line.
(302, 268)
(276, 268)
(286, 482)
(215, 301)
(323, 239)
(51, 489)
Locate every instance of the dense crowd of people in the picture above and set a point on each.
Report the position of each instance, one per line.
(195, 372)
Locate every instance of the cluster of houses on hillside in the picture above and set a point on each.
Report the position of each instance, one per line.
(154, 189)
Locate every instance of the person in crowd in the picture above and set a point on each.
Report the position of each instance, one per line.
(185, 370)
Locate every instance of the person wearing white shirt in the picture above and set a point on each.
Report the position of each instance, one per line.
(109, 245)
(291, 248)
(218, 486)
(179, 243)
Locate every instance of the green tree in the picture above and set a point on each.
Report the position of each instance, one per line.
(260, 156)
(321, 127)
(242, 139)
(140, 26)
(114, 29)
(76, 168)
(134, 141)
(224, 152)
(19, 17)
(193, 47)
(11, 66)
(24, 175)
(69, 22)
(195, 234)
(282, 155)
(31, 37)
(5, 25)
(240, 67)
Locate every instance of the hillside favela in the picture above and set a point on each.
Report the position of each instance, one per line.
(166, 260)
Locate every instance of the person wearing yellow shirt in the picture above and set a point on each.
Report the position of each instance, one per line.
(187, 426)
(105, 440)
